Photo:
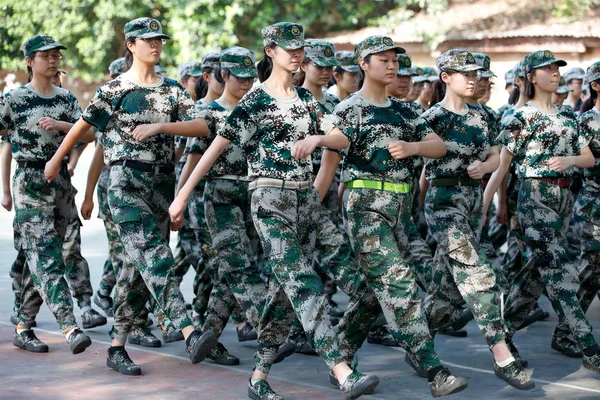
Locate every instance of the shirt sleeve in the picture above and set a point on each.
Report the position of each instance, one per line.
(239, 128)
(99, 111)
(516, 135)
(76, 109)
(585, 134)
(186, 109)
(5, 113)
(325, 122)
(200, 144)
(348, 117)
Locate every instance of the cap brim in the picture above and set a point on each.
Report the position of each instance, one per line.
(468, 68)
(152, 35)
(563, 90)
(350, 68)
(488, 74)
(244, 73)
(576, 77)
(406, 72)
(196, 72)
(325, 63)
(432, 78)
(419, 79)
(292, 44)
(50, 47)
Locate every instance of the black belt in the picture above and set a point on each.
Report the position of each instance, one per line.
(37, 164)
(146, 167)
(455, 181)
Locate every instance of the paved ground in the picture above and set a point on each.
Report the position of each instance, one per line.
(169, 375)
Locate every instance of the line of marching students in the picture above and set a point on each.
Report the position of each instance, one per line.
(253, 175)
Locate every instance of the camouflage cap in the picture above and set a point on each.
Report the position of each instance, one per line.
(211, 60)
(159, 69)
(562, 87)
(420, 75)
(457, 60)
(240, 61)
(509, 77)
(190, 68)
(117, 67)
(483, 60)
(346, 61)
(430, 74)
(321, 53)
(40, 43)
(539, 59)
(287, 35)
(592, 73)
(375, 44)
(144, 28)
(519, 69)
(405, 66)
(574, 73)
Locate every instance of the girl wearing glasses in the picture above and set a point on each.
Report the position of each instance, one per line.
(138, 114)
(453, 206)
(37, 116)
(546, 144)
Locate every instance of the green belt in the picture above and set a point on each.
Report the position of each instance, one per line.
(455, 181)
(379, 185)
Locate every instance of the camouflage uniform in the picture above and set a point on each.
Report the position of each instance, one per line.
(379, 218)
(141, 192)
(116, 253)
(285, 219)
(42, 210)
(544, 208)
(453, 210)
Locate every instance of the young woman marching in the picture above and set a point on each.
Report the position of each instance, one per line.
(546, 144)
(574, 79)
(453, 208)
(384, 133)
(345, 74)
(138, 116)
(37, 116)
(279, 126)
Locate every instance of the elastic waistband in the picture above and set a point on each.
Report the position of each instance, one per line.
(280, 184)
(562, 182)
(37, 164)
(379, 185)
(234, 178)
(146, 167)
(455, 181)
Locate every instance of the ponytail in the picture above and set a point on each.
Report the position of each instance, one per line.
(128, 58)
(219, 76)
(514, 96)
(438, 91)
(265, 66)
(591, 101)
(201, 89)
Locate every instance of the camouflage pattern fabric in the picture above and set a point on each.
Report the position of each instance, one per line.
(117, 67)
(457, 60)
(139, 203)
(375, 44)
(40, 43)
(120, 105)
(144, 28)
(287, 35)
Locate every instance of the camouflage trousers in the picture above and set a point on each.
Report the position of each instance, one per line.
(586, 216)
(237, 285)
(139, 203)
(544, 211)
(379, 224)
(462, 272)
(286, 221)
(42, 214)
(488, 248)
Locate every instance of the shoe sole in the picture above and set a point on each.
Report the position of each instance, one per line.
(18, 344)
(144, 344)
(99, 323)
(453, 333)
(531, 319)
(225, 361)
(572, 355)
(247, 338)
(203, 346)
(285, 353)
(176, 339)
(112, 365)
(517, 385)
(373, 341)
(462, 322)
(459, 387)
(369, 387)
(82, 345)
(390, 344)
(334, 382)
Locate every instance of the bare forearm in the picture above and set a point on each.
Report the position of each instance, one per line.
(335, 140)
(492, 162)
(187, 170)
(329, 163)
(73, 136)
(583, 160)
(433, 148)
(6, 160)
(193, 128)
(94, 172)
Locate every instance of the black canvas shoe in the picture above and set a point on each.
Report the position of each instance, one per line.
(119, 361)
(27, 340)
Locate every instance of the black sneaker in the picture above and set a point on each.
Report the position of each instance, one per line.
(303, 347)
(464, 318)
(199, 344)
(27, 340)
(567, 347)
(534, 316)
(358, 384)
(376, 334)
(449, 331)
(91, 319)
(246, 333)
(514, 375)
(78, 341)
(335, 310)
(142, 336)
(544, 316)
(261, 390)
(119, 361)
(444, 383)
(592, 363)
(220, 355)
(170, 335)
(333, 380)
(409, 359)
(515, 353)
(105, 303)
(284, 351)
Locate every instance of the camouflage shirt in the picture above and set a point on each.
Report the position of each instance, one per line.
(232, 161)
(20, 112)
(267, 128)
(589, 127)
(120, 105)
(328, 103)
(537, 135)
(370, 128)
(492, 119)
(466, 138)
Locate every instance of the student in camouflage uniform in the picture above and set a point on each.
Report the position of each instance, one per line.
(138, 114)
(453, 208)
(574, 79)
(586, 218)
(284, 205)
(345, 75)
(546, 145)
(377, 202)
(41, 113)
